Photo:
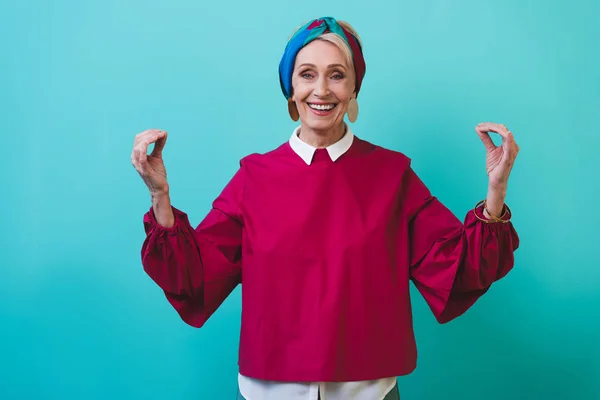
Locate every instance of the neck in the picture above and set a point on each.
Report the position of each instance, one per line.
(321, 139)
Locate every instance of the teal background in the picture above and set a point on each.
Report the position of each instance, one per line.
(79, 318)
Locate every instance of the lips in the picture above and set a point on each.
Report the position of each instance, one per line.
(322, 106)
(321, 109)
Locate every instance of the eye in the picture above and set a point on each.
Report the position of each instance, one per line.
(338, 76)
(306, 75)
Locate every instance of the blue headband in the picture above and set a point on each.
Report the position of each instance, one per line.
(306, 34)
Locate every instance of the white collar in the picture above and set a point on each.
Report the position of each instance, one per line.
(306, 151)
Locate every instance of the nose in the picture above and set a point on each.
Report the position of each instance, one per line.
(322, 87)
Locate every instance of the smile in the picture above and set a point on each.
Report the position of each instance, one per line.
(322, 107)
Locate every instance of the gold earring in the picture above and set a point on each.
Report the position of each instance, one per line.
(293, 110)
(352, 110)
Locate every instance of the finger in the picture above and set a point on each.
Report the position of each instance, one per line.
(160, 144)
(510, 148)
(150, 137)
(141, 155)
(486, 139)
(508, 140)
(139, 136)
(514, 149)
(500, 129)
(135, 162)
(142, 136)
(147, 139)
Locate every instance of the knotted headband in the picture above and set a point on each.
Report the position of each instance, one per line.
(306, 34)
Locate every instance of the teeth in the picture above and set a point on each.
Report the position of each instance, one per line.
(322, 107)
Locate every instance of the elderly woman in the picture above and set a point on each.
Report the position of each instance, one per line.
(325, 233)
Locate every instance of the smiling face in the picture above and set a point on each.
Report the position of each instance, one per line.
(323, 83)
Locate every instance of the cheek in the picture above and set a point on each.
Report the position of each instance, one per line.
(345, 91)
(299, 95)
(300, 89)
(344, 99)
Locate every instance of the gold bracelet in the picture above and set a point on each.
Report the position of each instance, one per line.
(493, 218)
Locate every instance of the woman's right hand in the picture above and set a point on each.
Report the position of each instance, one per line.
(151, 167)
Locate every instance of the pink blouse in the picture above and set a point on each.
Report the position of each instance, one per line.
(325, 253)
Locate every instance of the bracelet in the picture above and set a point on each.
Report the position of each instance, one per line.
(493, 218)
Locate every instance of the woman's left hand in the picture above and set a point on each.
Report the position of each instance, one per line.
(500, 159)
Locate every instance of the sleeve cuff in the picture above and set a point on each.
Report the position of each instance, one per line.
(181, 221)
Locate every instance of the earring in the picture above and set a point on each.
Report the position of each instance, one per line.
(293, 110)
(352, 110)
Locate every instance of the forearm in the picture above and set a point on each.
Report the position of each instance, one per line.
(161, 205)
(495, 200)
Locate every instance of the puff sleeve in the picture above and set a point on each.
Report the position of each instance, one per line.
(197, 268)
(453, 263)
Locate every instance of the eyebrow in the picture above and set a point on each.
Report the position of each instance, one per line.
(329, 66)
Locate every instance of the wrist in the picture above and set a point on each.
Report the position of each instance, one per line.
(161, 206)
(498, 189)
(159, 194)
(495, 199)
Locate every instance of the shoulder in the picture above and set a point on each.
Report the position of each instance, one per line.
(266, 159)
(381, 155)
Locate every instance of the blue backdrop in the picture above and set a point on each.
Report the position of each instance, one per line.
(78, 79)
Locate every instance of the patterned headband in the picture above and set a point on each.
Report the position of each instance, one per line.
(306, 34)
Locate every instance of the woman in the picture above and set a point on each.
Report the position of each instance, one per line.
(325, 233)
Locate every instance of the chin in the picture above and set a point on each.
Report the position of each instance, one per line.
(320, 124)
